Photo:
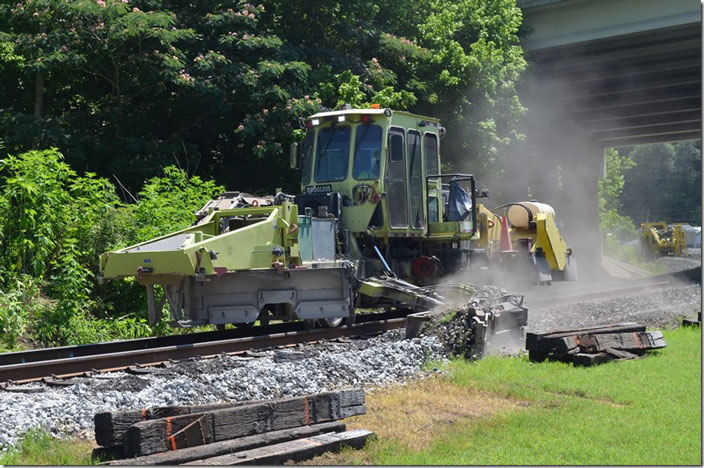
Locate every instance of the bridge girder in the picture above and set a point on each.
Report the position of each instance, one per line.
(633, 89)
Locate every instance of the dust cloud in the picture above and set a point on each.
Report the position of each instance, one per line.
(556, 164)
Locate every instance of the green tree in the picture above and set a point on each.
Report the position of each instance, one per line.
(610, 190)
(665, 185)
(92, 78)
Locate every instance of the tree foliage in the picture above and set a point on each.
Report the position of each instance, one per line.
(54, 224)
(665, 183)
(610, 190)
(126, 87)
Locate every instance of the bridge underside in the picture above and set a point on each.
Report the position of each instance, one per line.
(624, 90)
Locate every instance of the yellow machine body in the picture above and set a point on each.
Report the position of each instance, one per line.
(659, 239)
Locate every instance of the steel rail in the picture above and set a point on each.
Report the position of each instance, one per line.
(605, 291)
(46, 354)
(120, 360)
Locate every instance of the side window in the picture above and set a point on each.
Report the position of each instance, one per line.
(395, 181)
(430, 142)
(415, 180)
(307, 158)
(396, 148)
(430, 147)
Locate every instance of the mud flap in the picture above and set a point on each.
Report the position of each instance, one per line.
(543, 269)
(570, 271)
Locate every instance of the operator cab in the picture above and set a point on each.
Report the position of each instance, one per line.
(342, 146)
(375, 164)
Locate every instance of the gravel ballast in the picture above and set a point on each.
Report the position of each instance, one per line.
(367, 363)
(656, 309)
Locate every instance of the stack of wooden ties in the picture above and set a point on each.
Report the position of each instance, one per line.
(594, 345)
(256, 432)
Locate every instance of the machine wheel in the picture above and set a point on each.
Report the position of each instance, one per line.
(331, 322)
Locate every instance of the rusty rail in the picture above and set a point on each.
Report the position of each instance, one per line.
(24, 372)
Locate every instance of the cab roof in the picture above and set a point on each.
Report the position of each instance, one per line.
(321, 115)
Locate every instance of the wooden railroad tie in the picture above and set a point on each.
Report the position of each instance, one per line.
(202, 452)
(152, 434)
(594, 345)
(294, 450)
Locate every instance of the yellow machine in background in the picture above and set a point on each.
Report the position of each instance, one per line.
(658, 239)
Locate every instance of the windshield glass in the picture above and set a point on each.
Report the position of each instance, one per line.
(307, 158)
(332, 154)
(367, 152)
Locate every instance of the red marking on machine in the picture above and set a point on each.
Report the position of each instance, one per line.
(423, 267)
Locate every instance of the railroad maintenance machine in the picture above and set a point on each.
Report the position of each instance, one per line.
(662, 239)
(376, 225)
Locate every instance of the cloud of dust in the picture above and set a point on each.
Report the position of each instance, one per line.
(556, 164)
(504, 344)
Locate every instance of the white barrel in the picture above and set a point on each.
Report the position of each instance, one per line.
(518, 215)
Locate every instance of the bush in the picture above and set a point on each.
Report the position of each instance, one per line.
(54, 224)
(20, 303)
(621, 227)
(166, 204)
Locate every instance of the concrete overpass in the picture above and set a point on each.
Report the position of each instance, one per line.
(627, 71)
(602, 73)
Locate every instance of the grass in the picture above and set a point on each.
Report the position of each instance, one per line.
(38, 447)
(512, 412)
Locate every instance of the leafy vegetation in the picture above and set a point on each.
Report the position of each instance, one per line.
(38, 447)
(664, 184)
(126, 87)
(610, 190)
(617, 228)
(53, 226)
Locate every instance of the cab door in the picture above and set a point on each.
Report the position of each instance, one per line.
(395, 179)
(415, 180)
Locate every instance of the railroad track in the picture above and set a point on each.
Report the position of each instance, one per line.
(72, 361)
(135, 355)
(572, 292)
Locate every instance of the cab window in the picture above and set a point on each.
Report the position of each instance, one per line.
(415, 180)
(367, 152)
(332, 153)
(307, 158)
(430, 143)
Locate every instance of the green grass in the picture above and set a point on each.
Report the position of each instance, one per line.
(640, 412)
(38, 447)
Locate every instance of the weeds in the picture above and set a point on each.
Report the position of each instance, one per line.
(38, 447)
